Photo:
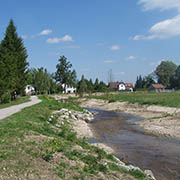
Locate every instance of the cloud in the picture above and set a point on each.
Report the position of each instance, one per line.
(115, 47)
(137, 37)
(164, 29)
(160, 4)
(45, 32)
(156, 63)
(108, 61)
(58, 40)
(131, 57)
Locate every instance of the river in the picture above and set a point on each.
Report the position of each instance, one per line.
(133, 145)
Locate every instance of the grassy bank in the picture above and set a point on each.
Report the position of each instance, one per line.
(33, 148)
(19, 100)
(164, 99)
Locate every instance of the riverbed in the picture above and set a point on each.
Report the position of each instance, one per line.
(132, 145)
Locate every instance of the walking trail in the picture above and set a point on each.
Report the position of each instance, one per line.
(16, 108)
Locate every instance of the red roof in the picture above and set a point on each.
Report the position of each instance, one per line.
(129, 84)
(158, 86)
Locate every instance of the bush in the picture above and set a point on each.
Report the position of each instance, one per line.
(6, 98)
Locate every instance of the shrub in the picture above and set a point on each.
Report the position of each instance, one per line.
(6, 98)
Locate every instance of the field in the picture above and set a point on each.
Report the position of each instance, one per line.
(31, 147)
(164, 99)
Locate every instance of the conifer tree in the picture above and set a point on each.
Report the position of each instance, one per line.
(13, 57)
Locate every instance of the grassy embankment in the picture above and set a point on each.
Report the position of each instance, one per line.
(33, 148)
(19, 100)
(164, 99)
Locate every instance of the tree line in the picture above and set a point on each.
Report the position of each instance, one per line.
(166, 73)
(15, 73)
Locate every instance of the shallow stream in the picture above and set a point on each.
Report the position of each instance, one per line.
(133, 145)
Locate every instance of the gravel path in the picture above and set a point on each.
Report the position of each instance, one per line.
(16, 108)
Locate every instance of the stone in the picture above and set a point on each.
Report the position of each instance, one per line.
(149, 175)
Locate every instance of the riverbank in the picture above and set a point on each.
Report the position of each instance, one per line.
(158, 120)
(39, 142)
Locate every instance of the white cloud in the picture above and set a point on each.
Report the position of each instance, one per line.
(131, 57)
(160, 4)
(67, 38)
(156, 63)
(137, 37)
(164, 29)
(45, 32)
(108, 61)
(115, 47)
(58, 40)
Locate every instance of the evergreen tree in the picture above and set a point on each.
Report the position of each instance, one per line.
(90, 86)
(82, 86)
(64, 74)
(13, 57)
(96, 85)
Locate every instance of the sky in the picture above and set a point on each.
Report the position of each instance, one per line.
(129, 37)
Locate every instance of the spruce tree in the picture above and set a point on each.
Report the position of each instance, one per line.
(13, 57)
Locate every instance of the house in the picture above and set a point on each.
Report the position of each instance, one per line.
(129, 86)
(29, 90)
(68, 89)
(157, 88)
(114, 85)
(121, 86)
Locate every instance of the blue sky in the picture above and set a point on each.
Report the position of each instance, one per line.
(131, 37)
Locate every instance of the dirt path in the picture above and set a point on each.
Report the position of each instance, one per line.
(158, 120)
(16, 108)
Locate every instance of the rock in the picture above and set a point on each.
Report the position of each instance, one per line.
(149, 175)
(73, 117)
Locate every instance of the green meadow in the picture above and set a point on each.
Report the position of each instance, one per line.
(171, 99)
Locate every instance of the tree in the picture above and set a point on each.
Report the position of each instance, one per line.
(13, 57)
(96, 85)
(164, 72)
(90, 86)
(175, 80)
(139, 82)
(148, 81)
(42, 81)
(82, 86)
(64, 74)
(102, 87)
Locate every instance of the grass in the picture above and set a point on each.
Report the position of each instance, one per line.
(31, 148)
(19, 100)
(164, 99)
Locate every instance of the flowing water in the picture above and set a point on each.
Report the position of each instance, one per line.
(133, 145)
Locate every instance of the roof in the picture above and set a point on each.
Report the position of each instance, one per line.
(113, 84)
(158, 86)
(129, 84)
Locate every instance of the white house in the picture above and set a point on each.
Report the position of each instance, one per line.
(29, 90)
(68, 89)
(121, 86)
